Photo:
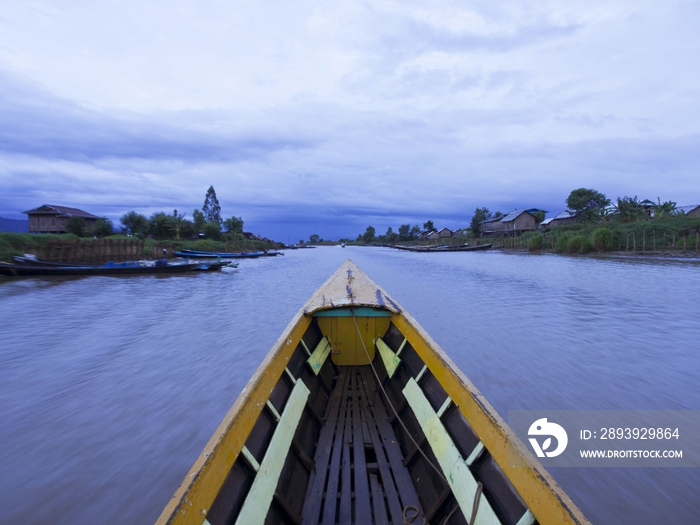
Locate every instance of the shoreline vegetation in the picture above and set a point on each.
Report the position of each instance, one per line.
(71, 248)
(669, 236)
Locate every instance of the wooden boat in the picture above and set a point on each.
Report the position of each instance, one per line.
(222, 255)
(114, 269)
(441, 249)
(356, 416)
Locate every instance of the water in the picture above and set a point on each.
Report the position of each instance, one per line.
(110, 387)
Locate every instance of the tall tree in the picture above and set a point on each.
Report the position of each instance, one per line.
(199, 220)
(103, 227)
(161, 226)
(134, 223)
(211, 208)
(429, 226)
(480, 215)
(405, 232)
(589, 203)
(76, 225)
(234, 225)
(368, 236)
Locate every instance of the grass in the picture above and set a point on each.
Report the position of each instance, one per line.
(12, 244)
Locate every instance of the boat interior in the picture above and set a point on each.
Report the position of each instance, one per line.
(357, 430)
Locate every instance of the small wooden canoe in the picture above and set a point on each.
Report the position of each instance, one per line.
(356, 416)
(442, 249)
(119, 269)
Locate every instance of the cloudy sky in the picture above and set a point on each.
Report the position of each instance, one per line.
(325, 117)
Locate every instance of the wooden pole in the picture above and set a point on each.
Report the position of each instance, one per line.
(628, 243)
(673, 242)
(634, 242)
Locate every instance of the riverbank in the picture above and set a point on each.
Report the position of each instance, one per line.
(684, 256)
(70, 248)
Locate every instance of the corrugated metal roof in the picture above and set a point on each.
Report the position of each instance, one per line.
(565, 215)
(64, 210)
(686, 209)
(513, 215)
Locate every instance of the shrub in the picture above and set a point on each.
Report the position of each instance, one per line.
(536, 242)
(212, 230)
(579, 244)
(603, 239)
(562, 243)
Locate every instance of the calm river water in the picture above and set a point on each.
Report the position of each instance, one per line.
(110, 387)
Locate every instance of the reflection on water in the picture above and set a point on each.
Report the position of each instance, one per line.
(110, 387)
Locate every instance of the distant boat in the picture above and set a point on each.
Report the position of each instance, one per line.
(440, 249)
(222, 255)
(356, 412)
(342, 245)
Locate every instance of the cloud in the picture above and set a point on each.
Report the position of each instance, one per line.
(325, 118)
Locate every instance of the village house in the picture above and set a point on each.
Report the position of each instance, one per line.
(52, 219)
(491, 227)
(559, 220)
(693, 210)
(518, 221)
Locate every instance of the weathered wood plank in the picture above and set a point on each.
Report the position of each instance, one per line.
(390, 359)
(314, 494)
(345, 486)
(363, 511)
(406, 489)
(262, 491)
(457, 474)
(319, 355)
(392, 496)
(380, 517)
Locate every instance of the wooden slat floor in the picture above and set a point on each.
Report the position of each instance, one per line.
(359, 475)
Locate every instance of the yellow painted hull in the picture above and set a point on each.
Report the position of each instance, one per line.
(275, 457)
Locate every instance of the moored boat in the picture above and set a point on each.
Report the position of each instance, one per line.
(223, 255)
(113, 269)
(441, 249)
(357, 416)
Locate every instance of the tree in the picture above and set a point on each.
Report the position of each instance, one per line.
(178, 223)
(211, 208)
(161, 226)
(404, 232)
(589, 203)
(368, 236)
(103, 227)
(76, 225)
(428, 226)
(480, 215)
(415, 232)
(199, 220)
(313, 239)
(234, 225)
(134, 223)
(629, 209)
(663, 208)
(539, 216)
(212, 230)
